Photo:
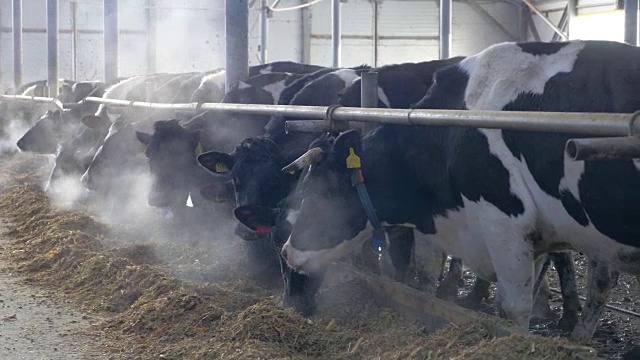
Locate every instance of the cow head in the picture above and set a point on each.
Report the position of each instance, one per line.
(299, 288)
(119, 153)
(252, 172)
(170, 153)
(331, 218)
(51, 129)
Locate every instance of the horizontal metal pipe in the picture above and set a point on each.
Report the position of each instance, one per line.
(614, 124)
(314, 126)
(54, 101)
(608, 148)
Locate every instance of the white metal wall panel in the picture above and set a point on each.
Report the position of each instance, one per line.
(190, 36)
(408, 30)
(357, 27)
(284, 40)
(6, 47)
(471, 33)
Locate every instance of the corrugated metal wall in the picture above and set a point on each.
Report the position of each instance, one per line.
(190, 34)
(408, 30)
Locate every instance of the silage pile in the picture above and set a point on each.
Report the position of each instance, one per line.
(151, 313)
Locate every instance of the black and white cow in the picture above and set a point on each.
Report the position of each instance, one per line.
(252, 173)
(498, 199)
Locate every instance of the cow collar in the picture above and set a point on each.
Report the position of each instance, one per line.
(380, 240)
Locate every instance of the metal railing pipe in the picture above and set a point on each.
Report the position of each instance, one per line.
(59, 105)
(608, 148)
(611, 124)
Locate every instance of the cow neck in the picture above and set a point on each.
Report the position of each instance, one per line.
(380, 239)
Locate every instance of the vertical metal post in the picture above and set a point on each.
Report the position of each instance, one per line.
(17, 43)
(375, 32)
(571, 13)
(237, 41)
(264, 28)
(369, 94)
(152, 33)
(445, 29)
(110, 12)
(524, 27)
(336, 43)
(631, 22)
(52, 47)
(305, 34)
(74, 40)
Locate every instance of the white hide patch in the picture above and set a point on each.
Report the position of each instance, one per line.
(383, 97)
(314, 260)
(267, 70)
(243, 85)
(292, 216)
(275, 89)
(500, 73)
(573, 171)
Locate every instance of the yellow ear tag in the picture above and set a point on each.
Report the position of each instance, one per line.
(144, 147)
(291, 172)
(221, 168)
(199, 149)
(353, 160)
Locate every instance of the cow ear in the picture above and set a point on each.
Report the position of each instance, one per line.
(347, 148)
(218, 191)
(257, 218)
(216, 162)
(143, 137)
(95, 122)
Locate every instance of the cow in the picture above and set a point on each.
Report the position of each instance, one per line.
(496, 198)
(252, 172)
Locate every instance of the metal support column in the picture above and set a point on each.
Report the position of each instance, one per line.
(264, 30)
(445, 29)
(369, 94)
(17, 43)
(74, 40)
(571, 13)
(631, 22)
(376, 8)
(237, 41)
(110, 40)
(152, 33)
(305, 34)
(336, 33)
(52, 47)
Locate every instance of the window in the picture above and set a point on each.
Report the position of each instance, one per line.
(600, 26)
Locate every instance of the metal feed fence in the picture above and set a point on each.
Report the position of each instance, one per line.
(618, 129)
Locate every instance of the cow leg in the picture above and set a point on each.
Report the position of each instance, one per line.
(563, 262)
(514, 267)
(541, 292)
(395, 262)
(448, 288)
(601, 279)
(429, 262)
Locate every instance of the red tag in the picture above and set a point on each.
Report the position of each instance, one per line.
(263, 229)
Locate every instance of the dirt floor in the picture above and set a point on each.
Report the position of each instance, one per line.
(79, 287)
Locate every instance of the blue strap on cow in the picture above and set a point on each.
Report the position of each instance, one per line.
(380, 240)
